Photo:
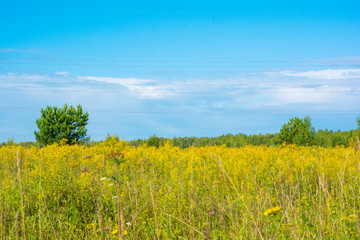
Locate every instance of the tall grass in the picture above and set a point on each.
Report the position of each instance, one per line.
(114, 191)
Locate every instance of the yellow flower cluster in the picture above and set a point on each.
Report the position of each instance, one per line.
(272, 210)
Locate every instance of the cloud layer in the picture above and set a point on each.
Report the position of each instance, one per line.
(139, 107)
(315, 87)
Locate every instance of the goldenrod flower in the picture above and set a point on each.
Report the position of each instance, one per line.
(272, 210)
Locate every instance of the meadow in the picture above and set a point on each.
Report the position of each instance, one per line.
(117, 191)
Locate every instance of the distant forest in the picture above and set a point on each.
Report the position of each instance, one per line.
(323, 138)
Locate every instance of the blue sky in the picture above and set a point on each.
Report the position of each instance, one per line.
(180, 68)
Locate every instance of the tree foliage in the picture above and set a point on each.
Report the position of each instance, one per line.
(358, 122)
(66, 124)
(298, 131)
(154, 141)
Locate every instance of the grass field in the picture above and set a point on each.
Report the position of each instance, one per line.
(114, 190)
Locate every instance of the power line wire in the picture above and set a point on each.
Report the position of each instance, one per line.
(357, 61)
(178, 83)
(175, 91)
(171, 66)
(181, 126)
(199, 111)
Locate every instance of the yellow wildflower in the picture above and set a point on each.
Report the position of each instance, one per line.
(272, 210)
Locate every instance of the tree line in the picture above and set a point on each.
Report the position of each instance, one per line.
(322, 138)
(67, 125)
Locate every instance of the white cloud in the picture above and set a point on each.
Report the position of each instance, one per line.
(301, 95)
(119, 81)
(143, 88)
(313, 95)
(62, 73)
(327, 74)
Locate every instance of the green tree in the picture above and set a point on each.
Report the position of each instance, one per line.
(56, 124)
(358, 122)
(154, 141)
(298, 131)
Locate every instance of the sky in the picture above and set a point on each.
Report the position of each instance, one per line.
(180, 68)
